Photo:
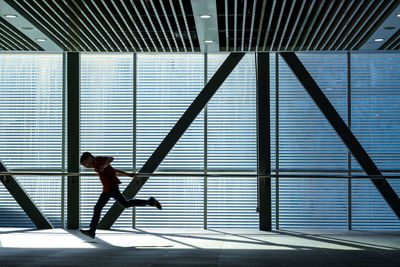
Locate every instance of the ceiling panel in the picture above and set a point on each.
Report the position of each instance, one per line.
(169, 25)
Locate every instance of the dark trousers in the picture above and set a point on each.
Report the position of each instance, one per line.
(103, 199)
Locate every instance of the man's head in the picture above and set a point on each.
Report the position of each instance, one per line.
(87, 160)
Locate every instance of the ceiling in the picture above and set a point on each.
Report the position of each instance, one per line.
(171, 26)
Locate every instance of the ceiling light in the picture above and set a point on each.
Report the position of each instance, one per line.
(209, 41)
(27, 28)
(10, 16)
(40, 39)
(389, 28)
(379, 39)
(398, 15)
(205, 16)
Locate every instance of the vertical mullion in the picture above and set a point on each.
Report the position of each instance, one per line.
(277, 141)
(263, 141)
(134, 128)
(73, 71)
(349, 171)
(64, 83)
(205, 146)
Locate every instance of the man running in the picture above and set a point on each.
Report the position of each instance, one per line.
(110, 181)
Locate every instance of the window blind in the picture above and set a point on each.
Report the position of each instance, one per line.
(232, 202)
(31, 132)
(308, 142)
(376, 123)
(166, 86)
(106, 123)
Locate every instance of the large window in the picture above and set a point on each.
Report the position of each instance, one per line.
(31, 132)
(106, 123)
(375, 95)
(166, 86)
(129, 103)
(308, 144)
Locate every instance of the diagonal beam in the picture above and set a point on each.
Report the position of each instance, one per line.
(174, 135)
(24, 200)
(342, 130)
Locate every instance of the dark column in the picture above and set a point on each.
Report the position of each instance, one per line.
(73, 69)
(173, 136)
(263, 141)
(342, 130)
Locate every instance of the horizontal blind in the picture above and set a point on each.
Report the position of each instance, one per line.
(376, 123)
(166, 86)
(106, 126)
(232, 147)
(31, 132)
(307, 141)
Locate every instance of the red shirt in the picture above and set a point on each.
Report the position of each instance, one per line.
(108, 176)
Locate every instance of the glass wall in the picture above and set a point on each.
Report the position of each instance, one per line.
(129, 102)
(31, 89)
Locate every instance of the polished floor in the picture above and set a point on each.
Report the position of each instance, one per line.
(187, 247)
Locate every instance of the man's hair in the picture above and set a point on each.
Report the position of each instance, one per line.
(85, 156)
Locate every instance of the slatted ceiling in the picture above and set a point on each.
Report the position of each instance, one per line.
(13, 39)
(298, 25)
(131, 24)
(333, 31)
(325, 23)
(392, 43)
(374, 11)
(169, 26)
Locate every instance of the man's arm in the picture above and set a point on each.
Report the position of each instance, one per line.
(106, 163)
(125, 173)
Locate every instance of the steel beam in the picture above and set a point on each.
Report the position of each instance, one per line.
(342, 130)
(73, 68)
(24, 200)
(174, 135)
(263, 141)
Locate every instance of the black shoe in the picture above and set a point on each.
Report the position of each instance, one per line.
(88, 233)
(154, 202)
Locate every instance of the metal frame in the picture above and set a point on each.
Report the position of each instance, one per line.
(73, 70)
(342, 130)
(174, 135)
(349, 167)
(23, 199)
(263, 141)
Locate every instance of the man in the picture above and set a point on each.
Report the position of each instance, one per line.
(110, 181)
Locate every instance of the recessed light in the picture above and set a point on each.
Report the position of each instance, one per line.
(10, 16)
(379, 39)
(27, 28)
(398, 15)
(209, 41)
(40, 39)
(205, 16)
(389, 28)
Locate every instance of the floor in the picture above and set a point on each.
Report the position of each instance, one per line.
(186, 247)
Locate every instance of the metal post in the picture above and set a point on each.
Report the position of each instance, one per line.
(342, 130)
(63, 141)
(349, 171)
(174, 135)
(263, 141)
(205, 187)
(134, 127)
(277, 141)
(73, 70)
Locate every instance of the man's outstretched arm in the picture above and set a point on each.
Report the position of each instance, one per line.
(125, 173)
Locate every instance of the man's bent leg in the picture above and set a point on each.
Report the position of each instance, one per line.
(116, 194)
(103, 199)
